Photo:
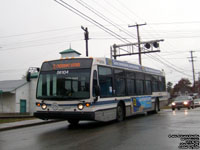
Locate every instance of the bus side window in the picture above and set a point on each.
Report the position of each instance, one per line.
(119, 82)
(105, 81)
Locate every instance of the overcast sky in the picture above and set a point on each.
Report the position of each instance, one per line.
(32, 31)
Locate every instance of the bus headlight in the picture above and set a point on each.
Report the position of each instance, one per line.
(44, 106)
(80, 106)
(173, 104)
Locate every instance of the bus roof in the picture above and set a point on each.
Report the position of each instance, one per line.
(127, 65)
(119, 64)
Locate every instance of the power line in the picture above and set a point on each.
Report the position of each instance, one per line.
(172, 23)
(38, 32)
(8, 49)
(94, 22)
(169, 66)
(104, 17)
(84, 16)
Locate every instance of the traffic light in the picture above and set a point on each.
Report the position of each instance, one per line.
(156, 44)
(147, 45)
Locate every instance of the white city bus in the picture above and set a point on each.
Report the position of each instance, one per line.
(100, 89)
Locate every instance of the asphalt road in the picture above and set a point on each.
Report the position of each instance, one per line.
(150, 132)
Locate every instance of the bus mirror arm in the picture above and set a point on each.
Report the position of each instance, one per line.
(97, 93)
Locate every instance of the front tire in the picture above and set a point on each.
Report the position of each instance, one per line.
(120, 112)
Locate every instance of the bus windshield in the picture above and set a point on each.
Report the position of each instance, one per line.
(71, 84)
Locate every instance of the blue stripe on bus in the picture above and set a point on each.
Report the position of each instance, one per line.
(101, 102)
(96, 103)
(110, 102)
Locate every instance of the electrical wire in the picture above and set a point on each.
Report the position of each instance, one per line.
(104, 18)
(84, 16)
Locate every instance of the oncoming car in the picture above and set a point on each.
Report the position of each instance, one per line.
(183, 102)
(197, 102)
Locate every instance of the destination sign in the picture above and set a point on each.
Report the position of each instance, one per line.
(70, 65)
(64, 64)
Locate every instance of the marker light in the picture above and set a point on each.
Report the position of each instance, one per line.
(87, 104)
(185, 103)
(38, 104)
(173, 103)
(44, 106)
(80, 106)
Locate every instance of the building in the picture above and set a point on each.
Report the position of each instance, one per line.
(18, 96)
(69, 53)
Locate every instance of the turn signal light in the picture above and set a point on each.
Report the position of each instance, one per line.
(38, 104)
(87, 104)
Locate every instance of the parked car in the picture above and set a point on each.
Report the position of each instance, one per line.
(183, 102)
(197, 102)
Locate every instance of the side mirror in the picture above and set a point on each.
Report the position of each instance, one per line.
(97, 90)
(28, 76)
(38, 69)
(97, 93)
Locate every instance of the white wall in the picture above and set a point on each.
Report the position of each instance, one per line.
(7, 103)
(32, 95)
(10, 102)
(22, 93)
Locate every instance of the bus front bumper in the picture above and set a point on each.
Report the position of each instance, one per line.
(45, 115)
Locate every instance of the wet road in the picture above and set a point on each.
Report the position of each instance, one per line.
(149, 132)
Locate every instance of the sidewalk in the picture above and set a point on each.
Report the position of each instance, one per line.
(26, 123)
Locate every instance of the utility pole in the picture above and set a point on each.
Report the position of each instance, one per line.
(86, 35)
(193, 71)
(138, 37)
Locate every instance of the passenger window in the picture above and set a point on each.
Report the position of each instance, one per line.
(148, 87)
(139, 87)
(130, 86)
(105, 81)
(119, 82)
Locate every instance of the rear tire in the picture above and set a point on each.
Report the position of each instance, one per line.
(120, 112)
(173, 108)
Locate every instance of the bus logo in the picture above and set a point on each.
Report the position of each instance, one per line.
(54, 106)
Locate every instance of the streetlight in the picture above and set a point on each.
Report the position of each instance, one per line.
(86, 34)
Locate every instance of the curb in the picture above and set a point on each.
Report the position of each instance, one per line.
(28, 125)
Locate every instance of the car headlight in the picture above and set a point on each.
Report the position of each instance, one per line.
(44, 106)
(185, 103)
(173, 104)
(80, 106)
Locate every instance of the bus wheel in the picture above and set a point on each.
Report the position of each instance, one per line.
(120, 112)
(73, 122)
